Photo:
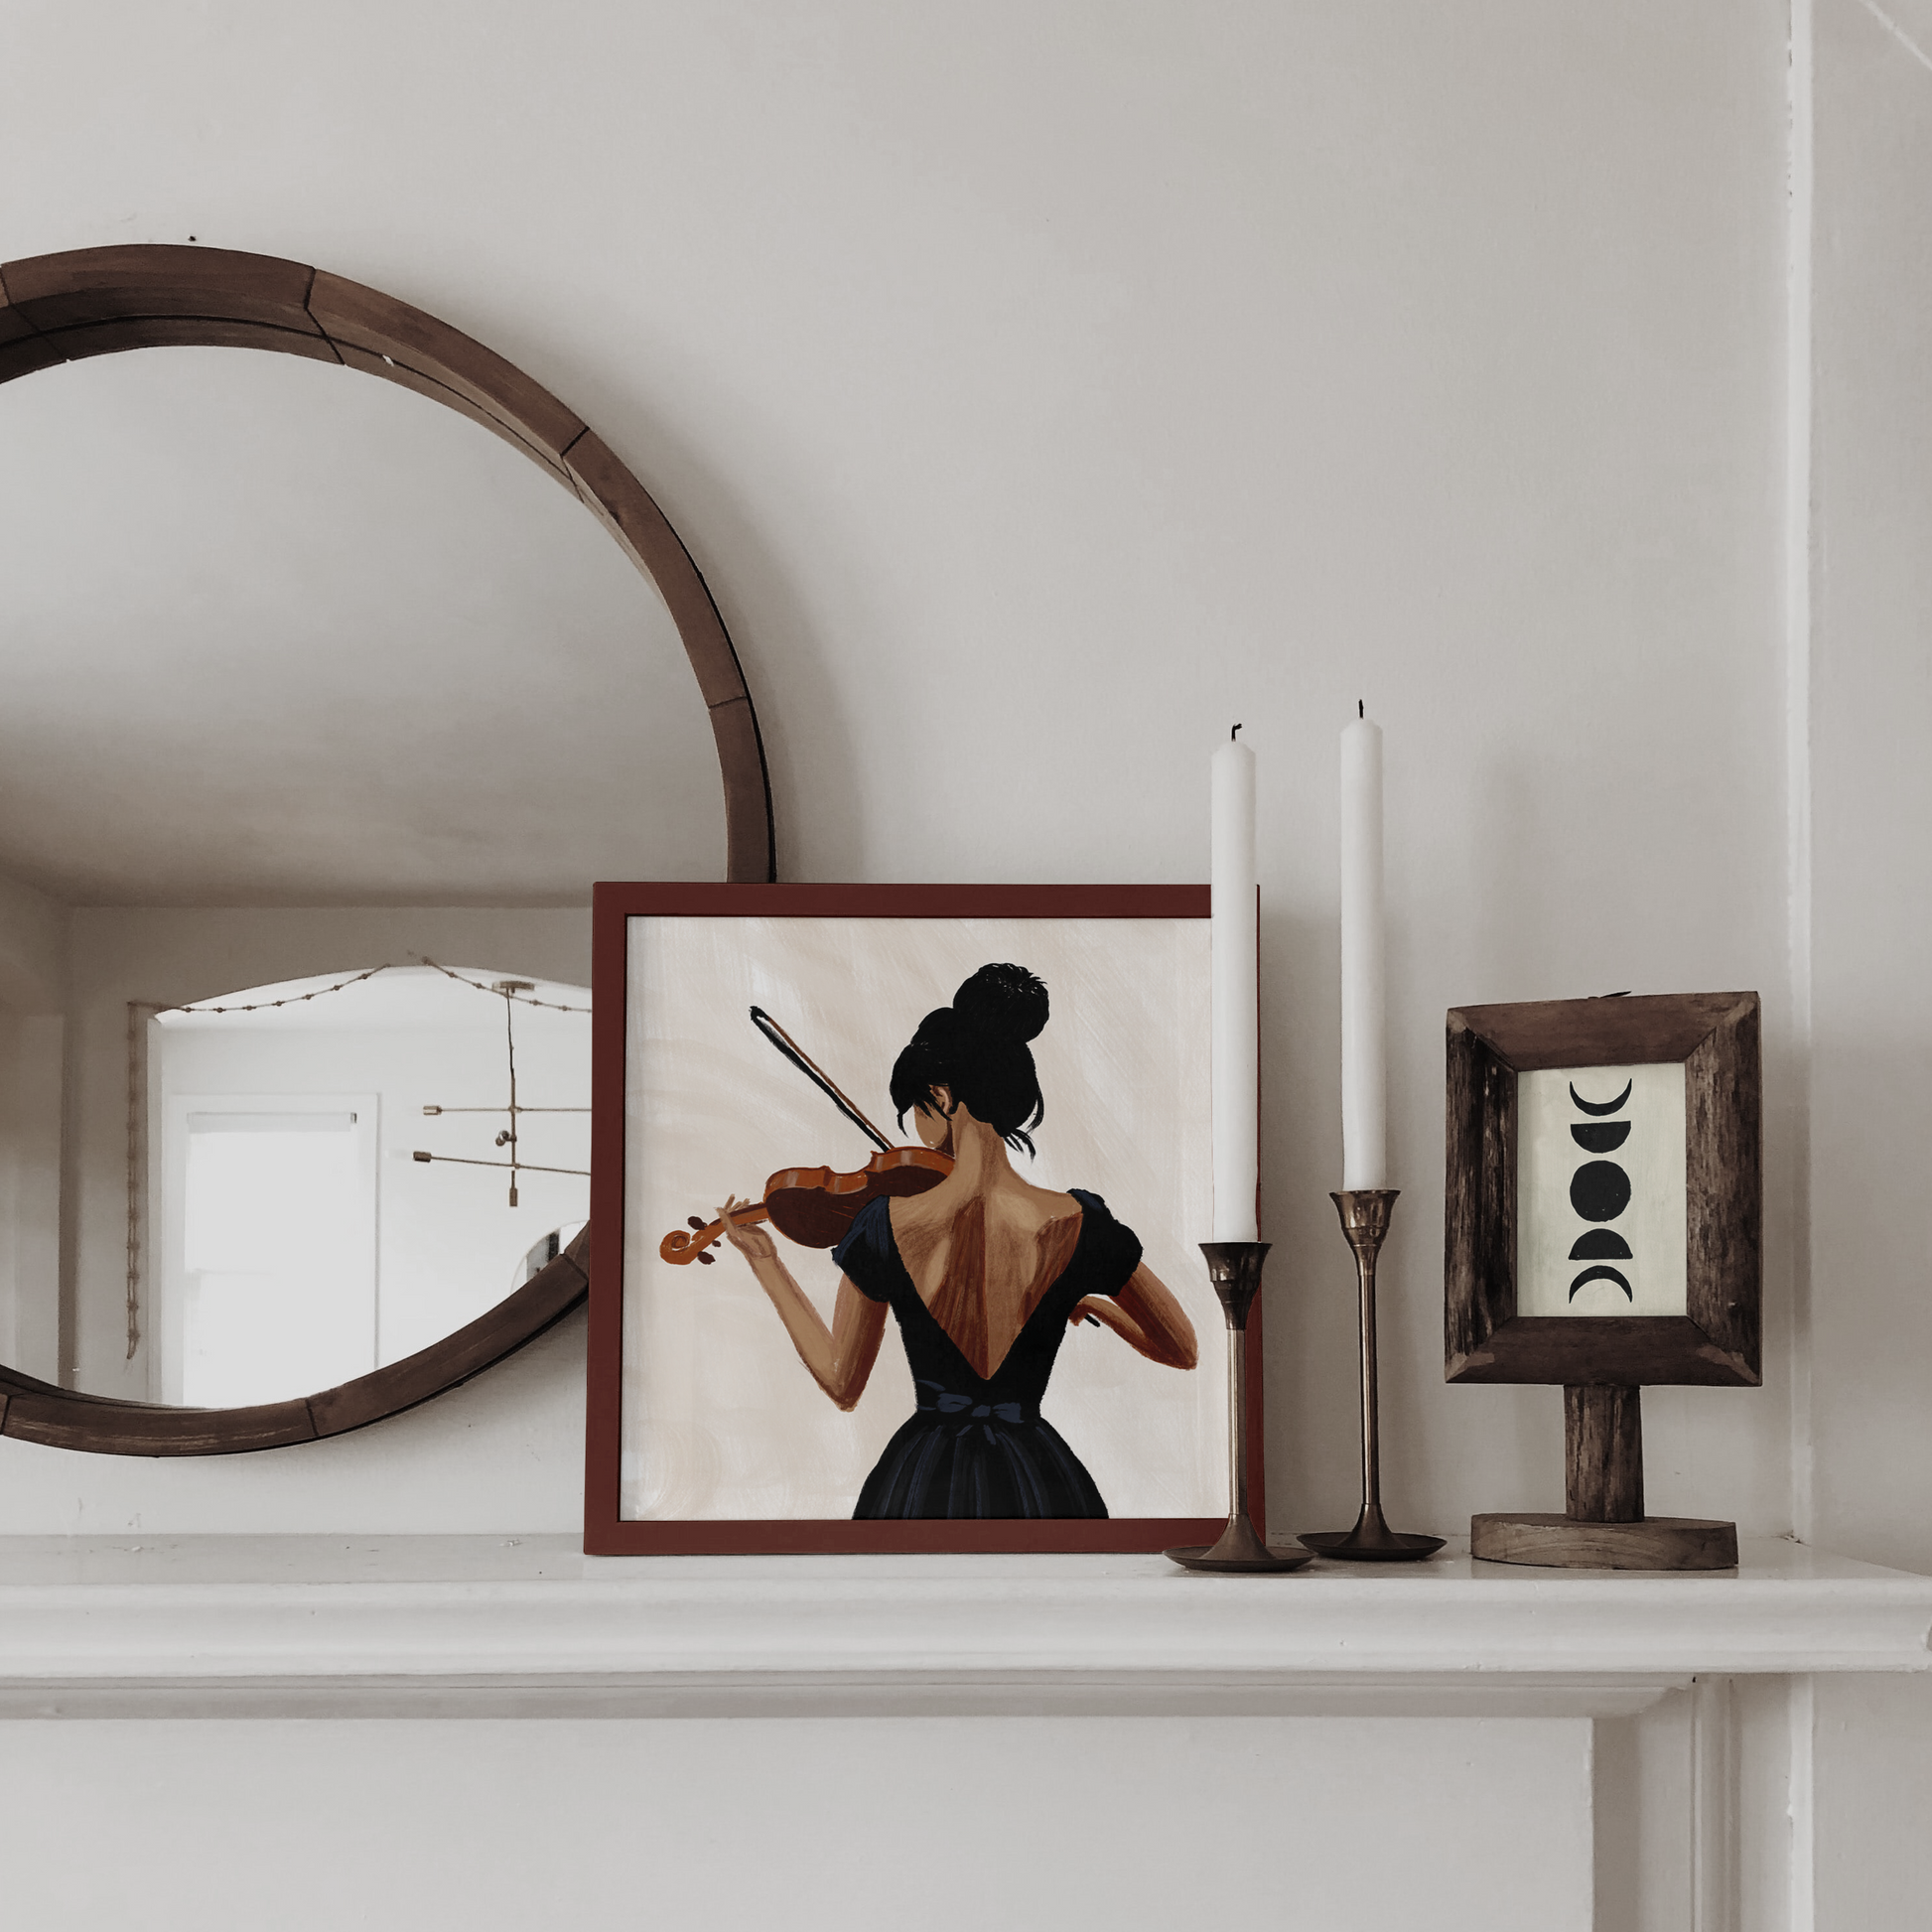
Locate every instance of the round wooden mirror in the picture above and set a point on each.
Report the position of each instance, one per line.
(67, 308)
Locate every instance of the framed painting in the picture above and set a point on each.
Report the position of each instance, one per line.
(896, 1198)
(1605, 1192)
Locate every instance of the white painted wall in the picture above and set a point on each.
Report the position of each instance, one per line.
(1044, 388)
(937, 1823)
(1041, 388)
(1871, 1319)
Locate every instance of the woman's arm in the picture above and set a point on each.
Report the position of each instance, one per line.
(840, 1358)
(1144, 1313)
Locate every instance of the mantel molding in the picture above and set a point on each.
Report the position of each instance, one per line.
(198, 1625)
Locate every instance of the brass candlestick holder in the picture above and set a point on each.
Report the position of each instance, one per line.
(1234, 1267)
(1365, 1213)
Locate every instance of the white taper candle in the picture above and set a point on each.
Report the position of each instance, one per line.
(1364, 1045)
(1236, 994)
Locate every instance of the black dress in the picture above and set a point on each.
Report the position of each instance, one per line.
(978, 1445)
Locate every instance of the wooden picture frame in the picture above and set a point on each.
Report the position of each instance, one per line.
(634, 1013)
(1704, 1190)
(1717, 1339)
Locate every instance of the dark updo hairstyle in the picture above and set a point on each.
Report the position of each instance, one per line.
(977, 1047)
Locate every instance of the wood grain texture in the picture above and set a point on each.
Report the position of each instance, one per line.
(14, 326)
(1600, 1033)
(84, 285)
(1602, 1441)
(404, 377)
(84, 339)
(28, 356)
(407, 339)
(1479, 1194)
(37, 1412)
(1724, 1134)
(750, 839)
(646, 537)
(645, 533)
(1717, 1342)
(1562, 1543)
(1634, 1348)
(102, 301)
(140, 1429)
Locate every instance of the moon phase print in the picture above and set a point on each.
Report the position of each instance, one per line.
(1600, 1202)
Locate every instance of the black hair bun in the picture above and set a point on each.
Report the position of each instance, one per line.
(1001, 1002)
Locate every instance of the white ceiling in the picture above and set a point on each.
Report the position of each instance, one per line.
(277, 633)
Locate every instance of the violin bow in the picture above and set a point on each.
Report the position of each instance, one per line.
(803, 1062)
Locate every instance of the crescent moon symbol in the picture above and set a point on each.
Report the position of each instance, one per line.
(1600, 1275)
(1608, 1106)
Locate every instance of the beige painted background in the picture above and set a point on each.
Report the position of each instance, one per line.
(721, 1419)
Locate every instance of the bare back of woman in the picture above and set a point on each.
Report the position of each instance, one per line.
(981, 1260)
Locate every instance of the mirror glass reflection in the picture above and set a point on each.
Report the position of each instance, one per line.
(342, 1171)
(299, 673)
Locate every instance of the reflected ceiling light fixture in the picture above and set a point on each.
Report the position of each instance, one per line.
(517, 990)
(512, 993)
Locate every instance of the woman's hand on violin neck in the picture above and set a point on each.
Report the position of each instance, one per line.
(752, 1242)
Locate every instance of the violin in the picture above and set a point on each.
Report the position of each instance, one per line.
(816, 1207)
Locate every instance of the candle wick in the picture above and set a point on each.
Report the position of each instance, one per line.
(1231, 734)
(1361, 709)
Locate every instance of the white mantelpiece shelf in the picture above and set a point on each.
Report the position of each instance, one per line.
(452, 1623)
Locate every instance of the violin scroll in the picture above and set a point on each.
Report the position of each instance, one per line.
(682, 1245)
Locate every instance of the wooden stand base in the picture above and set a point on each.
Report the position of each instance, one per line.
(1563, 1542)
(1604, 1527)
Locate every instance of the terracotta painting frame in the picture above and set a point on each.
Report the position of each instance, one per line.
(608, 1531)
(1717, 1340)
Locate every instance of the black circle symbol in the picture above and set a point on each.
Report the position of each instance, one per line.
(1599, 1190)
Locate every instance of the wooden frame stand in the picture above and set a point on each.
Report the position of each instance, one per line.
(1602, 1360)
(1603, 1526)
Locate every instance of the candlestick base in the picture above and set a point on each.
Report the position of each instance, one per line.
(1365, 1213)
(1234, 1267)
(1371, 1540)
(1270, 1563)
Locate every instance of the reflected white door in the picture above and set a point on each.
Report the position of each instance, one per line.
(269, 1238)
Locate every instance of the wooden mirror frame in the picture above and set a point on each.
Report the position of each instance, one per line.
(87, 302)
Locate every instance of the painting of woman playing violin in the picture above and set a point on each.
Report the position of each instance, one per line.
(909, 1222)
